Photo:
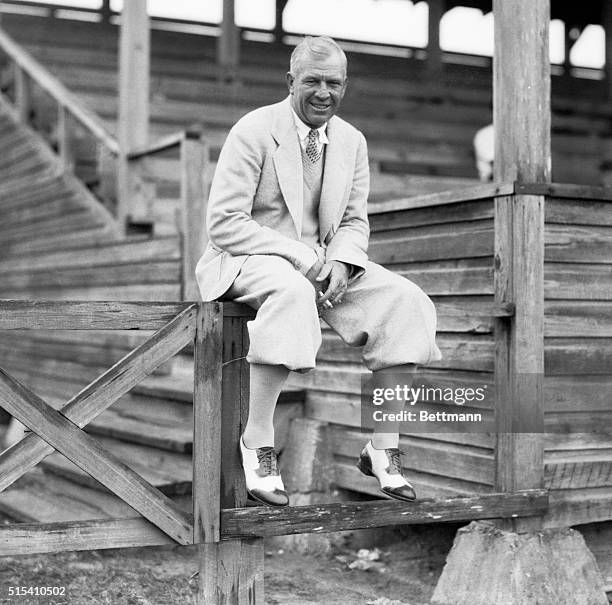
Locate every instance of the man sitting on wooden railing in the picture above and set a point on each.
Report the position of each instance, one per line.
(288, 234)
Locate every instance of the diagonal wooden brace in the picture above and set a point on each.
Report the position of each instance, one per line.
(103, 392)
(68, 439)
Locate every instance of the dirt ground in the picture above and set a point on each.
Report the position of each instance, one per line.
(167, 576)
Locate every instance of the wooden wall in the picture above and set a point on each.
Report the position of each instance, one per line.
(446, 249)
(578, 350)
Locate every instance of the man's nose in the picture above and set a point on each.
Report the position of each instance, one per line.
(323, 91)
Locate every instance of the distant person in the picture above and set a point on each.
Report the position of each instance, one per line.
(484, 148)
(288, 232)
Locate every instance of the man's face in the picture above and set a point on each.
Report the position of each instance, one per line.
(317, 88)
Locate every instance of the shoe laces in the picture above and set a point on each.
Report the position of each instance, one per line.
(266, 456)
(395, 463)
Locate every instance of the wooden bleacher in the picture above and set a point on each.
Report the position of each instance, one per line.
(419, 142)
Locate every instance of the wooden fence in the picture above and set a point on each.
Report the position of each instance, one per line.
(230, 534)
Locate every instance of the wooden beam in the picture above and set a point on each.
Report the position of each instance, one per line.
(193, 210)
(521, 91)
(228, 43)
(207, 371)
(89, 455)
(102, 393)
(31, 538)
(434, 52)
(232, 571)
(521, 108)
(134, 85)
(90, 315)
(279, 32)
(607, 25)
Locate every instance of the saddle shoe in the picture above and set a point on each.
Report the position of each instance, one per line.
(263, 480)
(386, 466)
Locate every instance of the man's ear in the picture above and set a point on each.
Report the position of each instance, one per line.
(289, 79)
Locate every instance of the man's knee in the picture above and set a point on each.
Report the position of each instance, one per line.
(291, 284)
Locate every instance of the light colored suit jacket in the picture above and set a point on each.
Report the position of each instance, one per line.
(256, 198)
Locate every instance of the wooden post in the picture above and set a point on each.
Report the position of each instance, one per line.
(569, 42)
(193, 209)
(23, 94)
(105, 11)
(279, 32)
(231, 572)
(228, 43)
(607, 25)
(64, 139)
(208, 346)
(521, 107)
(434, 52)
(134, 77)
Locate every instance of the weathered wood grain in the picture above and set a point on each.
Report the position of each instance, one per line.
(85, 452)
(207, 396)
(265, 521)
(100, 394)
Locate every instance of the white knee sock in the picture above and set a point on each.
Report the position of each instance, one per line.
(385, 440)
(266, 383)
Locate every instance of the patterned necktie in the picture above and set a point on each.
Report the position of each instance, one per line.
(312, 146)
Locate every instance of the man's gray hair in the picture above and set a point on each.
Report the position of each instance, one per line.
(310, 46)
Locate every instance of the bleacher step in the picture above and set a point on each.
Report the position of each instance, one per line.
(167, 471)
(42, 498)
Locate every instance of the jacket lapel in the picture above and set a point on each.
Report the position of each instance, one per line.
(334, 181)
(288, 163)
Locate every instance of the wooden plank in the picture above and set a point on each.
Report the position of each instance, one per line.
(577, 211)
(103, 253)
(430, 215)
(207, 396)
(578, 244)
(469, 194)
(24, 538)
(44, 498)
(579, 281)
(193, 209)
(454, 241)
(221, 576)
(266, 521)
(567, 318)
(84, 451)
(114, 275)
(100, 394)
(94, 315)
(139, 292)
(174, 479)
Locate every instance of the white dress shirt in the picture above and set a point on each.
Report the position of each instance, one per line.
(304, 129)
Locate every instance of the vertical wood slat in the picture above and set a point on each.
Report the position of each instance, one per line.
(521, 107)
(208, 347)
(134, 86)
(64, 139)
(23, 94)
(231, 572)
(193, 209)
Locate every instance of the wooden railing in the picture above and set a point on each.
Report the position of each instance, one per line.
(141, 190)
(39, 100)
(229, 533)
